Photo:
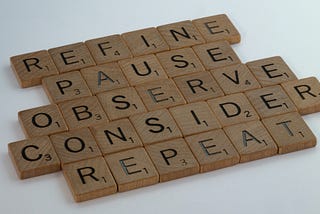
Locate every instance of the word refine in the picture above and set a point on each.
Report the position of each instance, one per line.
(157, 104)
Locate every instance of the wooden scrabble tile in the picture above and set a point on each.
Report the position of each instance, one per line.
(180, 62)
(198, 86)
(305, 94)
(116, 136)
(155, 126)
(132, 169)
(173, 159)
(290, 132)
(83, 112)
(33, 157)
(216, 54)
(194, 118)
(145, 41)
(30, 68)
(104, 77)
(233, 109)
(71, 57)
(213, 150)
(251, 140)
(108, 49)
(67, 86)
(142, 69)
(89, 179)
(271, 71)
(181, 34)
(270, 101)
(121, 103)
(75, 145)
(160, 94)
(235, 79)
(218, 27)
(43, 120)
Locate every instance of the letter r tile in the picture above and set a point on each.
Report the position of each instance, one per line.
(132, 169)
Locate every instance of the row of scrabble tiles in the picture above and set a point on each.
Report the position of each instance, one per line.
(30, 68)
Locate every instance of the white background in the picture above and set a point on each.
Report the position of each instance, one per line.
(281, 184)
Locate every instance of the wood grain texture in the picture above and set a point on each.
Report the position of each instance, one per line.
(233, 109)
(218, 27)
(235, 79)
(173, 159)
(108, 49)
(30, 68)
(142, 69)
(271, 71)
(160, 94)
(194, 118)
(270, 101)
(40, 121)
(213, 150)
(132, 169)
(121, 103)
(33, 157)
(71, 57)
(66, 86)
(180, 62)
(180, 34)
(116, 136)
(83, 112)
(155, 126)
(145, 41)
(216, 54)
(305, 94)
(290, 132)
(103, 78)
(251, 140)
(75, 145)
(198, 87)
(89, 179)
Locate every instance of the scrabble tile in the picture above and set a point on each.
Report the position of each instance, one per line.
(213, 150)
(218, 27)
(251, 140)
(180, 34)
(30, 68)
(145, 41)
(271, 71)
(33, 157)
(180, 62)
(43, 120)
(75, 145)
(305, 94)
(270, 101)
(216, 54)
(194, 118)
(198, 86)
(160, 94)
(173, 159)
(155, 126)
(67, 86)
(104, 77)
(83, 112)
(116, 136)
(235, 79)
(142, 69)
(121, 103)
(290, 132)
(108, 49)
(233, 109)
(89, 179)
(132, 169)
(71, 57)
